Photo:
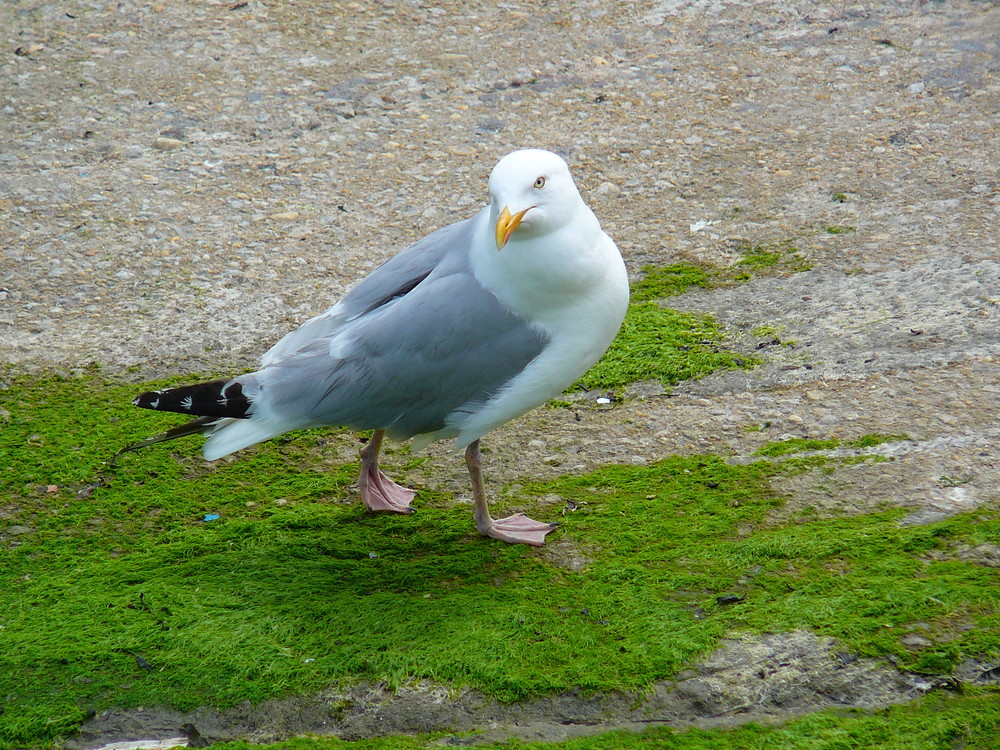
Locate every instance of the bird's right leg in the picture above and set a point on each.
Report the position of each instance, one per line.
(378, 492)
(515, 529)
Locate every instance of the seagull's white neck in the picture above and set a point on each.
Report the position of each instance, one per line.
(545, 275)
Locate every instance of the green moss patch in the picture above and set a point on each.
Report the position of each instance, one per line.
(769, 259)
(657, 343)
(667, 281)
(776, 258)
(800, 445)
(697, 528)
(176, 582)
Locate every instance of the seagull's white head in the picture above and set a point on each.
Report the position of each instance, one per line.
(532, 193)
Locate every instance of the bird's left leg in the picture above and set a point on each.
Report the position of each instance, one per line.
(378, 492)
(516, 529)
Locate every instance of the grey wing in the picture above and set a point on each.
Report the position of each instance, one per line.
(445, 346)
(394, 278)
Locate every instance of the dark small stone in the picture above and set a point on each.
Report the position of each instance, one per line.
(195, 738)
(492, 125)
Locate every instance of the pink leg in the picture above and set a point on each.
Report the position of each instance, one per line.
(516, 529)
(378, 492)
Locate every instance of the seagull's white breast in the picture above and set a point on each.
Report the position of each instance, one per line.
(571, 284)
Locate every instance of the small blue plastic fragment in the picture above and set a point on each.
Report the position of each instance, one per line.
(211, 516)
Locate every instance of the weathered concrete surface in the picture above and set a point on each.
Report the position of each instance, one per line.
(180, 183)
(753, 679)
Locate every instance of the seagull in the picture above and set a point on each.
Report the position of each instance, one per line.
(472, 326)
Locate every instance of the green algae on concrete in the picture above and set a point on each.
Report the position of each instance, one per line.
(776, 258)
(121, 588)
(667, 281)
(800, 445)
(656, 343)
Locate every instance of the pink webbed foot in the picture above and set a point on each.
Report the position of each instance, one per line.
(382, 495)
(517, 529)
(379, 493)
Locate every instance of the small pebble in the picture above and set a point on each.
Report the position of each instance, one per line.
(167, 144)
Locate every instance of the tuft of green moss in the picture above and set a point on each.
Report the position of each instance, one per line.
(668, 281)
(799, 445)
(759, 257)
(657, 343)
(870, 441)
(766, 331)
(559, 403)
(768, 259)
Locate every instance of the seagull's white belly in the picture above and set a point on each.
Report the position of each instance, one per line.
(548, 375)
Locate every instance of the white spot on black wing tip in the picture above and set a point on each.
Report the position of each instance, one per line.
(155, 403)
(186, 403)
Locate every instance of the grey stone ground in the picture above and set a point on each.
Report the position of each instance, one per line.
(182, 182)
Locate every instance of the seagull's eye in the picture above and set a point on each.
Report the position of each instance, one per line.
(540, 182)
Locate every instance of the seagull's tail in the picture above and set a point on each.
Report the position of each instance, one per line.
(216, 398)
(224, 415)
(217, 404)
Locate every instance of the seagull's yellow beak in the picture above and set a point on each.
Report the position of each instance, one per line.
(507, 223)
